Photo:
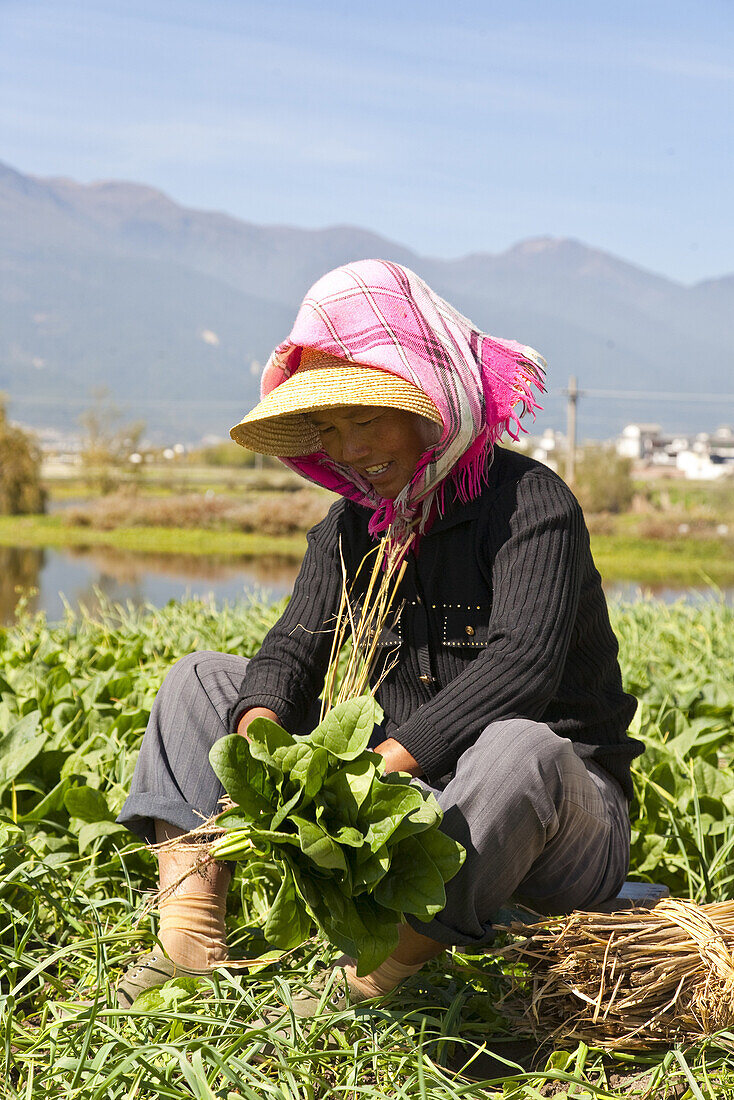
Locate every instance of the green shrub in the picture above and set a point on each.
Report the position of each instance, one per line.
(21, 492)
(227, 455)
(603, 481)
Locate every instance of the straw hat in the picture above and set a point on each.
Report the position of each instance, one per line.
(280, 424)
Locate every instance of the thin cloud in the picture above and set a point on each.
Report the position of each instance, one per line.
(687, 67)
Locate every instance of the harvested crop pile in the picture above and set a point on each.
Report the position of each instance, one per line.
(632, 979)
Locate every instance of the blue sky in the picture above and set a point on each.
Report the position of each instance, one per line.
(449, 129)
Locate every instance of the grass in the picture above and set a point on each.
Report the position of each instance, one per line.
(691, 497)
(52, 531)
(75, 699)
(675, 562)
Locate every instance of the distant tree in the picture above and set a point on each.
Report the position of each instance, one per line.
(108, 441)
(230, 456)
(603, 481)
(21, 492)
(226, 455)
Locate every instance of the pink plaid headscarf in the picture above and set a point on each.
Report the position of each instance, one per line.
(378, 314)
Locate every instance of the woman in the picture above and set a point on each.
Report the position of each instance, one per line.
(504, 695)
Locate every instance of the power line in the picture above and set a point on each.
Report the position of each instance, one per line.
(658, 395)
(572, 394)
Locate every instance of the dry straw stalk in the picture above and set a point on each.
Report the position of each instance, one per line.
(386, 565)
(631, 979)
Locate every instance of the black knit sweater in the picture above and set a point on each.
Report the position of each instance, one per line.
(503, 616)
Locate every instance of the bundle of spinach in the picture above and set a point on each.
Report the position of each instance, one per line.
(357, 849)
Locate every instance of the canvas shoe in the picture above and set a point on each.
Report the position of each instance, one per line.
(327, 991)
(149, 972)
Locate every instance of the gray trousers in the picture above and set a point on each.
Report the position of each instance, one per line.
(538, 823)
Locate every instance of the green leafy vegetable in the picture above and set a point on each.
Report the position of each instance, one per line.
(677, 660)
(357, 849)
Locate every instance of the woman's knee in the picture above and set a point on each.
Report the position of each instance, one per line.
(180, 678)
(516, 749)
(187, 665)
(186, 673)
(553, 756)
(517, 769)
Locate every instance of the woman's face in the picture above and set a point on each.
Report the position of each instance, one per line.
(382, 445)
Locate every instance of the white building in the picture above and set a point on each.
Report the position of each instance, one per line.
(705, 456)
(702, 467)
(637, 441)
(548, 448)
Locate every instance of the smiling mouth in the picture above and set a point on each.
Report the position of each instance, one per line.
(376, 471)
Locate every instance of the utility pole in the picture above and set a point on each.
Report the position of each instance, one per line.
(572, 395)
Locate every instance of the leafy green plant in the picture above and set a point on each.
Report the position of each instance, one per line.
(677, 661)
(357, 849)
(70, 921)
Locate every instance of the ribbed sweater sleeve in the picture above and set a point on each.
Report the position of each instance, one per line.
(287, 674)
(534, 534)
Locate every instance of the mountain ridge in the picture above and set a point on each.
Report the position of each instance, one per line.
(114, 283)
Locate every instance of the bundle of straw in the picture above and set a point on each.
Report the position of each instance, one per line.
(386, 571)
(631, 979)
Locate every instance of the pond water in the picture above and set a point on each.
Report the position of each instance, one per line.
(75, 576)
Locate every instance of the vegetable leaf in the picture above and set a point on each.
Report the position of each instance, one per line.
(88, 804)
(349, 786)
(383, 811)
(20, 746)
(306, 766)
(244, 778)
(265, 739)
(288, 923)
(445, 853)
(421, 818)
(375, 931)
(413, 884)
(318, 846)
(346, 730)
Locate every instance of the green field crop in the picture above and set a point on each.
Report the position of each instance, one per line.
(73, 886)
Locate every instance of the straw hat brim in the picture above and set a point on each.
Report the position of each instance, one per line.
(280, 424)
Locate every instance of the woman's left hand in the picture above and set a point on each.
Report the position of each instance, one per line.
(397, 758)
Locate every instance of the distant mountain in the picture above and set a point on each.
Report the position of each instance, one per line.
(114, 284)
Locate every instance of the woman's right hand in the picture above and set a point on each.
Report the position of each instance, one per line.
(251, 715)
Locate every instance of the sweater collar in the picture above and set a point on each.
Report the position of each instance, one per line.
(456, 511)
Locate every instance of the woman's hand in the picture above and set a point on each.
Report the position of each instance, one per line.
(397, 758)
(251, 715)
